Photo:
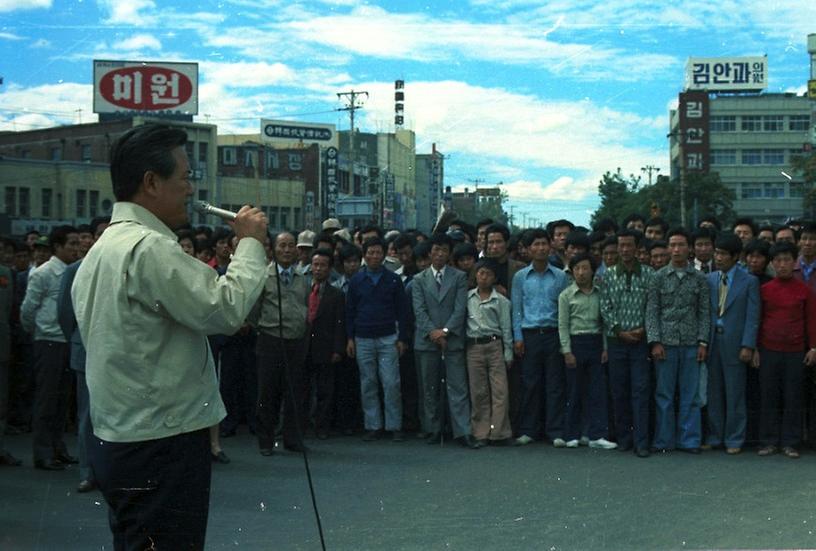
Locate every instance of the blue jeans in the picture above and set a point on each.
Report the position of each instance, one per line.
(378, 361)
(629, 373)
(679, 371)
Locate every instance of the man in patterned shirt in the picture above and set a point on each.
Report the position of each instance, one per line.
(677, 328)
(623, 306)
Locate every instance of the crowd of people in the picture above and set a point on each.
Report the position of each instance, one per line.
(636, 337)
(157, 340)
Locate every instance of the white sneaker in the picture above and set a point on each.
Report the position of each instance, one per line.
(523, 440)
(559, 443)
(584, 441)
(572, 443)
(602, 443)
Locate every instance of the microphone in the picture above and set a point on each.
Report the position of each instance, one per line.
(203, 207)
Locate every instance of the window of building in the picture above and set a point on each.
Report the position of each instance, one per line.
(284, 217)
(799, 123)
(363, 144)
(774, 190)
(86, 153)
(202, 152)
(11, 200)
(797, 190)
(93, 203)
(25, 154)
(751, 191)
(25, 201)
(272, 216)
(297, 222)
(773, 156)
(723, 123)
(773, 123)
(229, 158)
(56, 153)
(752, 156)
(106, 206)
(45, 201)
(81, 197)
(189, 148)
(248, 162)
(751, 123)
(719, 157)
(795, 153)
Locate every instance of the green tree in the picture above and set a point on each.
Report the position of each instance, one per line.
(805, 165)
(619, 196)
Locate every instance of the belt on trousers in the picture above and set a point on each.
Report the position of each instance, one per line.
(483, 340)
(540, 330)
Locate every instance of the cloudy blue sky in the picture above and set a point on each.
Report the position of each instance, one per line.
(542, 96)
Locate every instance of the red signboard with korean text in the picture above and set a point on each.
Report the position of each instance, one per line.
(694, 115)
(145, 87)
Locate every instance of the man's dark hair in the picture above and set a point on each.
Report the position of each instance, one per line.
(807, 227)
(746, 221)
(703, 233)
(373, 242)
(59, 235)
(793, 231)
(404, 240)
(557, 224)
(578, 239)
(220, 234)
(759, 246)
(632, 217)
(596, 237)
(657, 244)
(767, 227)
(324, 252)
(533, 234)
(611, 240)
(631, 232)
(729, 242)
(324, 237)
(32, 232)
(84, 228)
(487, 264)
(140, 150)
(497, 227)
(580, 257)
(98, 221)
(422, 249)
(679, 231)
(783, 247)
(372, 228)
(349, 251)
(184, 234)
(465, 249)
(605, 225)
(206, 230)
(484, 222)
(442, 240)
(713, 221)
(657, 221)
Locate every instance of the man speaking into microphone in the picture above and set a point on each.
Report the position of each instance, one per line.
(144, 309)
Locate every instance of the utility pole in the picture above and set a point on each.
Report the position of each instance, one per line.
(476, 181)
(649, 169)
(351, 106)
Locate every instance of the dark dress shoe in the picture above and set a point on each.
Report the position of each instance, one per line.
(322, 435)
(9, 460)
(66, 459)
(398, 436)
(220, 457)
(625, 448)
(299, 448)
(693, 451)
(86, 486)
(642, 452)
(371, 436)
(433, 438)
(49, 465)
(266, 452)
(504, 442)
(468, 441)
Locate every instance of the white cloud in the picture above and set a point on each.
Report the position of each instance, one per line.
(139, 42)
(799, 90)
(25, 108)
(41, 43)
(10, 36)
(128, 12)
(14, 5)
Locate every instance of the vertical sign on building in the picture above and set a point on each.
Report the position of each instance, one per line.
(694, 115)
(399, 103)
(331, 182)
(308, 209)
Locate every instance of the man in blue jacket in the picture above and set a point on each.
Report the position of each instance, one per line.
(377, 330)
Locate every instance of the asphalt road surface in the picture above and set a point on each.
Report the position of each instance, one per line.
(386, 495)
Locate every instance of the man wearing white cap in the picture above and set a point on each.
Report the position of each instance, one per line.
(305, 245)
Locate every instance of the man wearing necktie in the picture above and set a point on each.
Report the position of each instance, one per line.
(735, 321)
(281, 347)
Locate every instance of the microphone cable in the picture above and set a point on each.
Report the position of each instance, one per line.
(295, 404)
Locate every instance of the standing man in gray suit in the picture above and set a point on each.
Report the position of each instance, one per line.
(439, 297)
(735, 322)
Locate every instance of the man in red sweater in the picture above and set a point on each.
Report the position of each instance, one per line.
(784, 336)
